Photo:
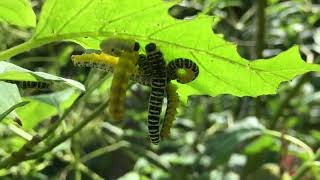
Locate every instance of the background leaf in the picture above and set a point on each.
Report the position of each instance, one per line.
(10, 71)
(10, 96)
(42, 107)
(17, 12)
(221, 146)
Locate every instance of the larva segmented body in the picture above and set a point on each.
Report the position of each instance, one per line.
(191, 70)
(127, 51)
(119, 85)
(158, 85)
(171, 111)
(30, 84)
(100, 61)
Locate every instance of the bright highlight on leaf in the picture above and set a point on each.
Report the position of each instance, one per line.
(17, 12)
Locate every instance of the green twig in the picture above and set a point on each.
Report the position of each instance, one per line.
(12, 160)
(151, 156)
(76, 148)
(20, 155)
(75, 104)
(96, 153)
(83, 168)
(69, 134)
(260, 42)
(12, 108)
(104, 150)
(291, 139)
(260, 33)
(53, 128)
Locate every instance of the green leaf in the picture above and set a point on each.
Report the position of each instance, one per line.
(221, 146)
(222, 70)
(10, 96)
(42, 107)
(10, 71)
(261, 144)
(17, 12)
(12, 108)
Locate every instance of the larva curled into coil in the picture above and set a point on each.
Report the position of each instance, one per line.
(158, 85)
(30, 84)
(171, 111)
(127, 51)
(183, 70)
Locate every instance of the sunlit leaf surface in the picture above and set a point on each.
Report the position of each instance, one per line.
(17, 12)
(222, 70)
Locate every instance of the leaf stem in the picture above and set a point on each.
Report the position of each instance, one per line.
(260, 43)
(22, 155)
(104, 150)
(291, 139)
(26, 46)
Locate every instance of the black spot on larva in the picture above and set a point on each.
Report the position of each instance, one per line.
(151, 47)
(180, 12)
(136, 46)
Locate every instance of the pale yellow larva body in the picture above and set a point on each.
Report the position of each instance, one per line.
(122, 72)
(171, 111)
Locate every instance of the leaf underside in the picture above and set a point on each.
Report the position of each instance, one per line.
(222, 70)
(10, 71)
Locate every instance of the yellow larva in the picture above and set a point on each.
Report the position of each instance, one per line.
(100, 61)
(171, 111)
(122, 72)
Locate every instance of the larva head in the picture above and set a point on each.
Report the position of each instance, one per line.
(116, 46)
(151, 47)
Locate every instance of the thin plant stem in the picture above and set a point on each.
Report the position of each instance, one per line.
(69, 134)
(14, 159)
(260, 43)
(291, 139)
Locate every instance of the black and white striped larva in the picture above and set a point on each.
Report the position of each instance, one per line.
(183, 70)
(127, 51)
(142, 75)
(158, 85)
(31, 84)
(171, 111)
